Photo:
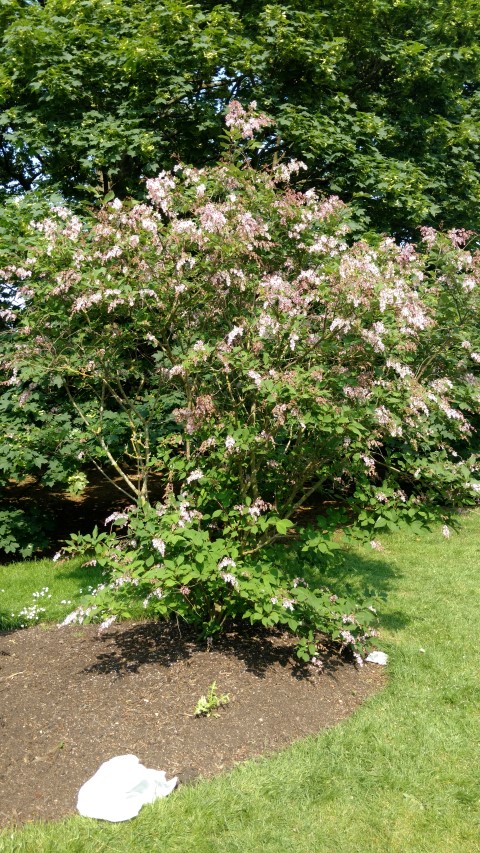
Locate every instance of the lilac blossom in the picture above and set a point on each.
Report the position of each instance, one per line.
(117, 516)
(105, 625)
(159, 546)
(230, 443)
(247, 122)
(236, 331)
(160, 190)
(225, 562)
(347, 638)
(212, 218)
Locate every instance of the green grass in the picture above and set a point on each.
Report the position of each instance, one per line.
(400, 776)
(18, 582)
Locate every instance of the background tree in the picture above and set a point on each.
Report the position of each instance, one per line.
(381, 100)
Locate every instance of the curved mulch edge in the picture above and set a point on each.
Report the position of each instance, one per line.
(71, 699)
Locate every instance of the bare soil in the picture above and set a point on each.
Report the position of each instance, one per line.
(71, 699)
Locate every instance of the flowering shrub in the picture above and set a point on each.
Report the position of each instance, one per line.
(228, 337)
(210, 580)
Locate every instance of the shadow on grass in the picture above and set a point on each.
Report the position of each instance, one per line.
(84, 575)
(361, 577)
(394, 621)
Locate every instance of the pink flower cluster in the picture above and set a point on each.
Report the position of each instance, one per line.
(248, 122)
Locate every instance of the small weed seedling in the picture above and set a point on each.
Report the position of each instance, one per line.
(207, 705)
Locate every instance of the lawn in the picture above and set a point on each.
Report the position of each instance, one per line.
(56, 587)
(400, 775)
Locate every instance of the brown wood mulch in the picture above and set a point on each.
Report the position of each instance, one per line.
(71, 699)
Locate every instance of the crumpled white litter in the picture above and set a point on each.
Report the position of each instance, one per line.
(377, 657)
(120, 788)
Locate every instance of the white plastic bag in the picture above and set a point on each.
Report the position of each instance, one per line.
(377, 657)
(120, 788)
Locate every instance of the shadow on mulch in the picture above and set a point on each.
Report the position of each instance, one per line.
(71, 699)
(166, 644)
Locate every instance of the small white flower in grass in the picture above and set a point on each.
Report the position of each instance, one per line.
(288, 603)
(376, 545)
(159, 546)
(446, 531)
(57, 556)
(195, 475)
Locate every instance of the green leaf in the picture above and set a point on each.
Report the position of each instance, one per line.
(283, 524)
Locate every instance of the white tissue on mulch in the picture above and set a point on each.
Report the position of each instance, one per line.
(120, 788)
(377, 657)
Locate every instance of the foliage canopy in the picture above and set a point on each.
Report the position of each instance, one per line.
(381, 99)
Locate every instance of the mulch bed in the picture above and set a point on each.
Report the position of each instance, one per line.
(71, 699)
